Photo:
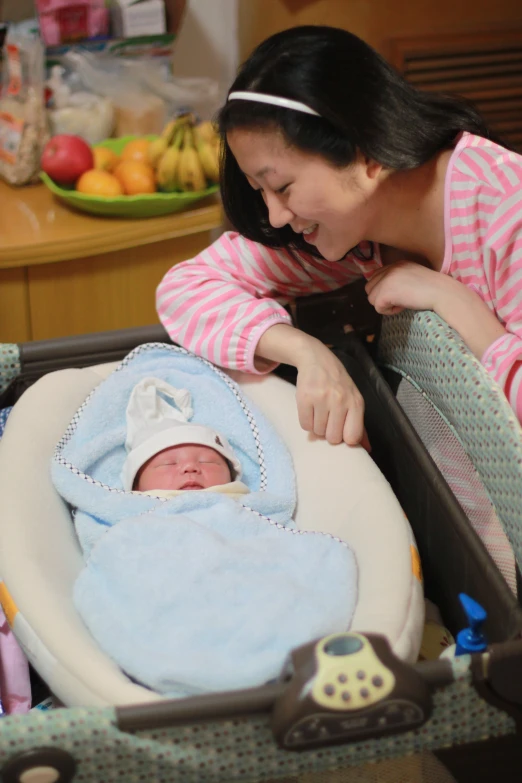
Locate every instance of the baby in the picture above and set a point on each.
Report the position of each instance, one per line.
(167, 454)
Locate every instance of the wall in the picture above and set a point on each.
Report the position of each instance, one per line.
(207, 43)
(376, 21)
(16, 10)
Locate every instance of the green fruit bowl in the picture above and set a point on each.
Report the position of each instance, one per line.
(142, 206)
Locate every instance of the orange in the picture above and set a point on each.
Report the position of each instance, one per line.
(135, 177)
(99, 183)
(105, 159)
(137, 149)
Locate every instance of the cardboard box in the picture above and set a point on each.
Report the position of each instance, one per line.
(132, 18)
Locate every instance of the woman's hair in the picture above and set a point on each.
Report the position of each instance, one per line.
(364, 105)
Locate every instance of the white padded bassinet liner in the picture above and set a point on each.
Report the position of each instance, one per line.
(340, 491)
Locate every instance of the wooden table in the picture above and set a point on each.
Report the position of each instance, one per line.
(64, 272)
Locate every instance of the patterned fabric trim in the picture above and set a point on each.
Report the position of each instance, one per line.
(421, 346)
(9, 364)
(4, 415)
(294, 530)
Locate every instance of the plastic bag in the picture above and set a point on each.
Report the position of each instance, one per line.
(78, 112)
(136, 111)
(23, 120)
(197, 94)
(143, 91)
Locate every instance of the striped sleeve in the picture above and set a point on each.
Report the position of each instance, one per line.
(220, 303)
(503, 254)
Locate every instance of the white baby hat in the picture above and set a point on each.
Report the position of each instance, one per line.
(153, 424)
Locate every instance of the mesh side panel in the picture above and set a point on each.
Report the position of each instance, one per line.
(420, 346)
(418, 768)
(448, 454)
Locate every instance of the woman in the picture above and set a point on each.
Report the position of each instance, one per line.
(334, 168)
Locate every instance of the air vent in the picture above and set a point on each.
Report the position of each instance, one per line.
(486, 68)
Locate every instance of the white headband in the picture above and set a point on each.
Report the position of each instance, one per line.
(274, 100)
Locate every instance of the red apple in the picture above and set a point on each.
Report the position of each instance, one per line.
(65, 158)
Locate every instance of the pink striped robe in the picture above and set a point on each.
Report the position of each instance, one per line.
(219, 303)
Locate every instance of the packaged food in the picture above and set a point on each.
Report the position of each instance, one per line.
(66, 21)
(23, 121)
(139, 114)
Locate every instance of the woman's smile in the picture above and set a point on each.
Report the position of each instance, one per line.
(310, 234)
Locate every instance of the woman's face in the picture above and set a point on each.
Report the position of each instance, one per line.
(334, 209)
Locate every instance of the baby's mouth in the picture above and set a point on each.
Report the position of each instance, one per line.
(192, 485)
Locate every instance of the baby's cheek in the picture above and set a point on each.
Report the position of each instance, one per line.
(222, 474)
(156, 478)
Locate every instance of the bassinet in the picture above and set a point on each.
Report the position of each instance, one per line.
(230, 739)
(340, 492)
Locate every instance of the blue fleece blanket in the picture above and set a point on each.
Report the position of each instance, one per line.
(198, 592)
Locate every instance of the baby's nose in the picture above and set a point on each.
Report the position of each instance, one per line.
(191, 467)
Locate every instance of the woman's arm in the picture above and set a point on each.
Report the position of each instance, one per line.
(226, 305)
(220, 303)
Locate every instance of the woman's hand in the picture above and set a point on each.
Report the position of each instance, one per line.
(328, 402)
(405, 285)
(408, 285)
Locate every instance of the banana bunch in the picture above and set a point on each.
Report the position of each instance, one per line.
(186, 155)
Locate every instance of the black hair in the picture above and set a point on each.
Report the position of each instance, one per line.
(364, 104)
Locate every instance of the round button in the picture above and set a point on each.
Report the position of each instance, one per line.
(329, 689)
(360, 674)
(364, 693)
(342, 678)
(377, 681)
(346, 696)
(40, 775)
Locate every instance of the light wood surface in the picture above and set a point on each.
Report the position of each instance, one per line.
(63, 272)
(36, 228)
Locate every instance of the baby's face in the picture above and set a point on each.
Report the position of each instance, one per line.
(189, 466)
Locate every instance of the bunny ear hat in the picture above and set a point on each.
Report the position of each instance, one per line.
(154, 424)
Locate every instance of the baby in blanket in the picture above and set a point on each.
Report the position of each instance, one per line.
(167, 455)
(193, 591)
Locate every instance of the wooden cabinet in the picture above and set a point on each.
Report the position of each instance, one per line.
(376, 21)
(65, 272)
